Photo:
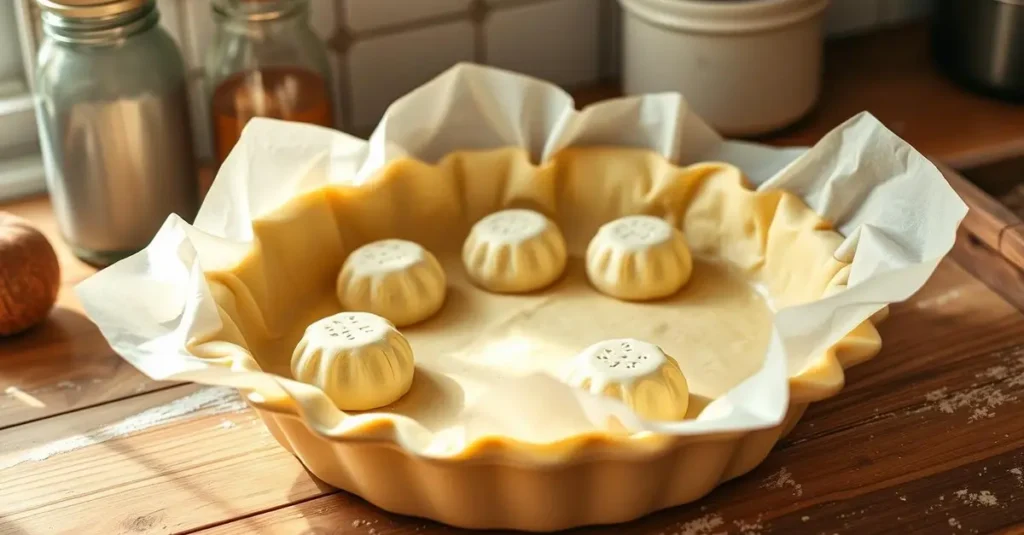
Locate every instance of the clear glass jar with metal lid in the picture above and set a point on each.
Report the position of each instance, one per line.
(113, 116)
(265, 61)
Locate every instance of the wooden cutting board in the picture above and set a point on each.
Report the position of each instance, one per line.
(991, 244)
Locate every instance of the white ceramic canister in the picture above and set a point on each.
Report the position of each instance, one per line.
(746, 67)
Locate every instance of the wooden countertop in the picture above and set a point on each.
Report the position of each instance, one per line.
(927, 436)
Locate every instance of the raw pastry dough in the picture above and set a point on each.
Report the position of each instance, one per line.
(638, 258)
(636, 372)
(769, 241)
(396, 279)
(514, 251)
(358, 359)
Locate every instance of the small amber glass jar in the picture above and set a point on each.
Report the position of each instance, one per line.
(265, 61)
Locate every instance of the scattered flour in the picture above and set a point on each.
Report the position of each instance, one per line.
(850, 514)
(782, 479)
(704, 525)
(749, 528)
(226, 424)
(805, 518)
(1017, 379)
(954, 523)
(981, 399)
(995, 372)
(936, 506)
(1019, 475)
(215, 400)
(983, 498)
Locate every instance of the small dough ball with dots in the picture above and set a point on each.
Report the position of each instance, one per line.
(396, 279)
(638, 373)
(514, 251)
(358, 359)
(638, 258)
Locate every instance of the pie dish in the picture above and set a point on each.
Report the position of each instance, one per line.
(784, 259)
(753, 251)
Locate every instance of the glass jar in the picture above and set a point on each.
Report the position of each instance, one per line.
(113, 117)
(265, 61)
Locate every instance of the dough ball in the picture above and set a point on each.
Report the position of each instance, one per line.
(358, 359)
(514, 251)
(638, 258)
(636, 372)
(396, 279)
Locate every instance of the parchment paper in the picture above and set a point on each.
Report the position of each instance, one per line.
(897, 211)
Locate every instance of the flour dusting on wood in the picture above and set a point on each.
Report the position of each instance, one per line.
(750, 528)
(983, 498)
(981, 399)
(705, 525)
(782, 479)
(209, 401)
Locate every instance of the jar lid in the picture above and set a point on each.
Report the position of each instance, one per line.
(257, 10)
(88, 9)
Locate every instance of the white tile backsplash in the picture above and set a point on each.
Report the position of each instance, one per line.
(845, 17)
(556, 40)
(385, 68)
(380, 49)
(363, 15)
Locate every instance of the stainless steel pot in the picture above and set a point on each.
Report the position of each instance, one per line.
(980, 43)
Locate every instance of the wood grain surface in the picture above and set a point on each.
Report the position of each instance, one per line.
(925, 438)
(933, 415)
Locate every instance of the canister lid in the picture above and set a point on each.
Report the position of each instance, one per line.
(257, 10)
(88, 9)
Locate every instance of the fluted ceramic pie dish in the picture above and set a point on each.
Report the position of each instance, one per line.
(794, 253)
(754, 251)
